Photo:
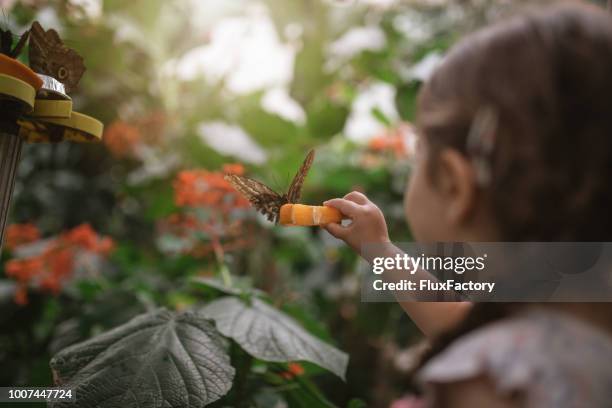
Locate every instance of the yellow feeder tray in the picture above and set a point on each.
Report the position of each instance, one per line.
(17, 90)
(77, 128)
(81, 128)
(54, 109)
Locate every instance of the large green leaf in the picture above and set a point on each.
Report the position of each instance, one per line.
(240, 286)
(325, 118)
(158, 359)
(270, 335)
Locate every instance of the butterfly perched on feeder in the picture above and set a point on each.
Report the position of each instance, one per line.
(263, 198)
(49, 56)
(6, 43)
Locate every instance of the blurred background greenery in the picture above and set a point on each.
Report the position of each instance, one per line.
(188, 89)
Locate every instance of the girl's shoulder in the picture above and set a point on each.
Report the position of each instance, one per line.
(551, 358)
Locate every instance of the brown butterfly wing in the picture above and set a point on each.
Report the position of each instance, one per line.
(6, 42)
(295, 189)
(262, 197)
(49, 56)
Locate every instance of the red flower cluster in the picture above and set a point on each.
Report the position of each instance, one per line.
(215, 230)
(18, 234)
(121, 138)
(85, 237)
(203, 188)
(52, 267)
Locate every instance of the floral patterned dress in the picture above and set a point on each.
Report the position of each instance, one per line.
(552, 359)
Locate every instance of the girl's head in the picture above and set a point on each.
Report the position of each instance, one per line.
(544, 81)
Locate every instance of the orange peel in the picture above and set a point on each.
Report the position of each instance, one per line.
(14, 68)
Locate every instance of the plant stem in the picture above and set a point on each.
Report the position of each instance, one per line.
(226, 276)
(220, 256)
(243, 362)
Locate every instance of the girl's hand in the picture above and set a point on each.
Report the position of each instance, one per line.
(368, 224)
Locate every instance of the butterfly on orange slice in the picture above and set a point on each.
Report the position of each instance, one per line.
(284, 208)
(263, 198)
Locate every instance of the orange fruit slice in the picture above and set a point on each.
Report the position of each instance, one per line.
(308, 215)
(10, 66)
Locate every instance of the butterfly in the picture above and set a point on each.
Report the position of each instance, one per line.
(263, 198)
(49, 56)
(6, 43)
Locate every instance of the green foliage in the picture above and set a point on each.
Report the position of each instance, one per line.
(270, 335)
(165, 358)
(157, 359)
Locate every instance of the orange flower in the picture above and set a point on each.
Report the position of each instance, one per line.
(214, 230)
(49, 270)
(388, 142)
(233, 168)
(394, 140)
(82, 235)
(60, 262)
(19, 234)
(86, 237)
(202, 188)
(24, 270)
(293, 370)
(378, 143)
(121, 138)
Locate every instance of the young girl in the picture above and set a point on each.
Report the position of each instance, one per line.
(547, 78)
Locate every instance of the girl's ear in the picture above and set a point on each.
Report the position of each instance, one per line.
(457, 183)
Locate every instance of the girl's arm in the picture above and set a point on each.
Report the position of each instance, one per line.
(434, 318)
(368, 226)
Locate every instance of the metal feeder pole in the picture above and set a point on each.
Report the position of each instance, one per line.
(10, 152)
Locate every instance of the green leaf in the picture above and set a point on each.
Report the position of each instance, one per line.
(270, 335)
(357, 403)
(158, 359)
(405, 100)
(239, 287)
(326, 119)
(381, 117)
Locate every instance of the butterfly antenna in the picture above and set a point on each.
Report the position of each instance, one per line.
(287, 180)
(275, 183)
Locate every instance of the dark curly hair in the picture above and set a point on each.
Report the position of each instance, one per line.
(548, 76)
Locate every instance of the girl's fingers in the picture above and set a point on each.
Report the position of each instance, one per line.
(346, 207)
(357, 197)
(337, 230)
